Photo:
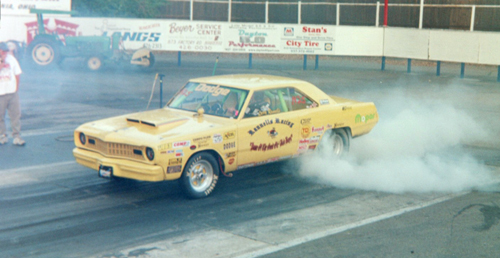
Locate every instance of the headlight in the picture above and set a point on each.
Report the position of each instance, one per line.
(83, 138)
(150, 153)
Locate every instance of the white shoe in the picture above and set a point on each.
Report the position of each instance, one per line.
(3, 139)
(18, 141)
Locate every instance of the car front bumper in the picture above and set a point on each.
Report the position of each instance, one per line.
(120, 167)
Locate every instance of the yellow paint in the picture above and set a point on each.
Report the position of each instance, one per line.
(174, 135)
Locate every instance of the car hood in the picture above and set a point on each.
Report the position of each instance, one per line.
(150, 127)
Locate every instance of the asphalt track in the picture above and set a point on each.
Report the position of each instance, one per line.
(52, 207)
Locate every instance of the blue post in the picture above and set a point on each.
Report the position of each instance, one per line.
(179, 58)
(462, 70)
(408, 69)
(383, 64)
(250, 61)
(438, 68)
(161, 90)
(317, 63)
(305, 63)
(498, 76)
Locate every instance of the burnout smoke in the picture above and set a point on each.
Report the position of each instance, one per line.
(415, 147)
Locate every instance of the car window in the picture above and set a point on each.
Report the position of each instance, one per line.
(266, 102)
(214, 99)
(300, 101)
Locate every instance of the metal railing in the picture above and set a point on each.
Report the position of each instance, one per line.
(466, 13)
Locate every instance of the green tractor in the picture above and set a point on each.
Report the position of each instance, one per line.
(48, 50)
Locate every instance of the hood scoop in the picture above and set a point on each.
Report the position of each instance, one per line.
(157, 123)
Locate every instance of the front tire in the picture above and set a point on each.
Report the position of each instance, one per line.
(200, 175)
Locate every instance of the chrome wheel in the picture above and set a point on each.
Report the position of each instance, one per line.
(201, 175)
(338, 144)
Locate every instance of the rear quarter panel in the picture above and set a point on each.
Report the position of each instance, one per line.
(359, 117)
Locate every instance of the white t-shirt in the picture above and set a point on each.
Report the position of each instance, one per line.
(8, 75)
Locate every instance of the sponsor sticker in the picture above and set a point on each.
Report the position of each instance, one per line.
(363, 119)
(306, 130)
(231, 161)
(217, 138)
(174, 169)
(172, 162)
(305, 121)
(181, 144)
(229, 135)
(230, 154)
(302, 148)
(324, 101)
(318, 130)
(314, 139)
(229, 145)
(165, 147)
(202, 139)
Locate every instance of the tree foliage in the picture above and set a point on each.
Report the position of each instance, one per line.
(120, 8)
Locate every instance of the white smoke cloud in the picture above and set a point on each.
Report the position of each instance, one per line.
(415, 147)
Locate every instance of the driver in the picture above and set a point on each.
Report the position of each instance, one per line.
(258, 104)
(230, 105)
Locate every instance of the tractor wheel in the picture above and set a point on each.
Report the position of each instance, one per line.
(94, 63)
(45, 52)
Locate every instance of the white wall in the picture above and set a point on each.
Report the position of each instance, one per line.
(207, 36)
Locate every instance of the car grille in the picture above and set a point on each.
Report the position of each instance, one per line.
(116, 149)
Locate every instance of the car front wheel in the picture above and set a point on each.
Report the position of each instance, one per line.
(200, 175)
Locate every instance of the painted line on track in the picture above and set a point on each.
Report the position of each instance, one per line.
(337, 230)
(38, 167)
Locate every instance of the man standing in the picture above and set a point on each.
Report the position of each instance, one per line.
(10, 72)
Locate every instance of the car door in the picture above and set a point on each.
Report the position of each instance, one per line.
(268, 131)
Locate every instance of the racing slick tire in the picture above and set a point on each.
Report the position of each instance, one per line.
(200, 175)
(337, 141)
(94, 63)
(45, 52)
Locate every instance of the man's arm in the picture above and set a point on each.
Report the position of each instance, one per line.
(17, 82)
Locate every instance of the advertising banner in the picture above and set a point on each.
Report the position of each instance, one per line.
(307, 39)
(251, 38)
(22, 7)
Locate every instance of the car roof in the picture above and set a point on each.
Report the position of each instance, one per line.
(252, 81)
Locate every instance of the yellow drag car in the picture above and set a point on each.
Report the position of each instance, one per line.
(216, 125)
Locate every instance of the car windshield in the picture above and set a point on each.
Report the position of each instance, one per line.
(216, 100)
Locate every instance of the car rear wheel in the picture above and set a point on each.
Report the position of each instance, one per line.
(336, 141)
(200, 175)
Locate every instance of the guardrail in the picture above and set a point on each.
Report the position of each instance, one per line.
(462, 10)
